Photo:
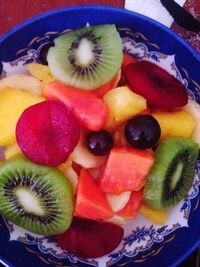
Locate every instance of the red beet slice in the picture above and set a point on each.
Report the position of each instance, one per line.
(47, 133)
(90, 239)
(160, 89)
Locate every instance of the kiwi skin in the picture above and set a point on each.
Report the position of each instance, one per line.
(51, 188)
(162, 189)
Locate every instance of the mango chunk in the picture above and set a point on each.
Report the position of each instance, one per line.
(154, 216)
(12, 104)
(178, 123)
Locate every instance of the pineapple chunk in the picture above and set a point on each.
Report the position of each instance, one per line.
(122, 104)
(22, 82)
(178, 123)
(154, 216)
(11, 151)
(12, 104)
(40, 72)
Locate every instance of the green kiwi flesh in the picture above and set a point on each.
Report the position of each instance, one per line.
(86, 58)
(172, 174)
(35, 197)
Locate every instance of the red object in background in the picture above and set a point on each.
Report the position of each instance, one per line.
(14, 12)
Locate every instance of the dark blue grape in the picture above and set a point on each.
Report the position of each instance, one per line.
(43, 53)
(99, 143)
(142, 131)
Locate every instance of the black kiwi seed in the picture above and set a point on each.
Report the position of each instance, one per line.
(172, 174)
(86, 58)
(35, 197)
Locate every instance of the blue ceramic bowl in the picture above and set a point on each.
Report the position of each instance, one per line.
(144, 244)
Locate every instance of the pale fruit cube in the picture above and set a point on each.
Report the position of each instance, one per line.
(177, 123)
(122, 104)
(82, 156)
(64, 166)
(118, 201)
(40, 72)
(22, 82)
(11, 151)
(12, 104)
(193, 108)
(118, 220)
(154, 216)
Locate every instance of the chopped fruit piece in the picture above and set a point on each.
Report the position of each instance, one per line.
(85, 104)
(64, 93)
(118, 202)
(64, 166)
(118, 220)
(91, 202)
(86, 58)
(171, 123)
(99, 143)
(91, 112)
(127, 59)
(95, 172)
(125, 170)
(154, 216)
(47, 133)
(172, 174)
(40, 72)
(193, 109)
(119, 137)
(11, 151)
(142, 131)
(72, 177)
(122, 104)
(22, 82)
(83, 157)
(157, 86)
(131, 209)
(13, 103)
(102, 90)
(90, 239)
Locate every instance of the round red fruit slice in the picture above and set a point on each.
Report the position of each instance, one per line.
(47, 133)
(90, 239)
(160, 89)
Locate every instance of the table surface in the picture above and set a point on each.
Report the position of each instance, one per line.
(13, 12)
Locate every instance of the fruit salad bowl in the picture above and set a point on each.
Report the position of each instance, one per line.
(144, 243)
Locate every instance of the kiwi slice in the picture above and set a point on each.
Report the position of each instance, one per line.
(172, 173)
(86, 58)
(35, 197)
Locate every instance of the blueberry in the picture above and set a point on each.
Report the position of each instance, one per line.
(142, 131)
(43, 53)
(99, 143)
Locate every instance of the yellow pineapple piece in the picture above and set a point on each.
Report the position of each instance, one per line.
(12, 104)
(40, 72)
(154, 216)
(22, 82)
(122, 104)
(11, 151)
(177, 123)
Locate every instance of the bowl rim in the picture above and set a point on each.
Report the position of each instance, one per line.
(194, 53)
(42, 15)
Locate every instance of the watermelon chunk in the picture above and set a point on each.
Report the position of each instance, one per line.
(126, 170)
(91, 203)
(132, 207)
(85, 104)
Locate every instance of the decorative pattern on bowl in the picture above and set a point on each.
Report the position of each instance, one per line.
(140, 234)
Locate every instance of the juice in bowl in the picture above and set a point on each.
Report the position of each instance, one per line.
(100, 136)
